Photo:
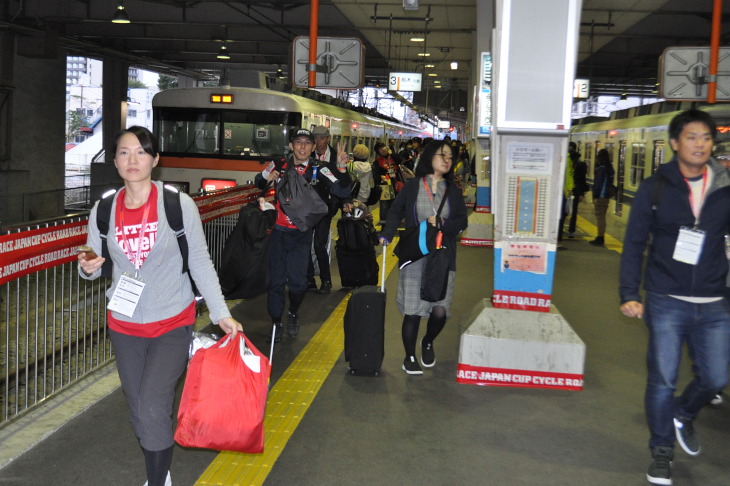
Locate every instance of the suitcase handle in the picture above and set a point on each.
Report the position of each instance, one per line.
(382, 267)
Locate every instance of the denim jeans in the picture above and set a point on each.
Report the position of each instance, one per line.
(706, 330)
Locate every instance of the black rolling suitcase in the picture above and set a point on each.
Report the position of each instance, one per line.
(365, 327)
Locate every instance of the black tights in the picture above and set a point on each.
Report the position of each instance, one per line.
(410, 328)
(158, 463)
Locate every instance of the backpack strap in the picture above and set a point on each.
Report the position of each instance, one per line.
(657, 191)
(173, 212)
(103, 214)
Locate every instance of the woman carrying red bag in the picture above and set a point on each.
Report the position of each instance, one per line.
(151, 326)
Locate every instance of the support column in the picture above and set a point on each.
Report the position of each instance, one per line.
(31, 153)
(114, 111)
(520, 338)
(481, 222)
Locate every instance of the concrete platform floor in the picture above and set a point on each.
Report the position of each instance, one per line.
(414, 430)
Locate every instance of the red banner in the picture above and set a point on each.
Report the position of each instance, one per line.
(507, 299)
(480, 375)
(30, 251)
(476, 242)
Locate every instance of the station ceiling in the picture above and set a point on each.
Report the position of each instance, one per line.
(620, 42)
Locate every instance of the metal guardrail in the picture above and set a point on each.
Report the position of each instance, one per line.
(53, 329)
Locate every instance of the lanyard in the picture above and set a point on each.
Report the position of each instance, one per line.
(428, 191)
(702, 195)
(142, 231)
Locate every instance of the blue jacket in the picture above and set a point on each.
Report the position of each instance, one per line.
(663, 274)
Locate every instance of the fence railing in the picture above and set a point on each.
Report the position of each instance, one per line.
(33, 206)
(53, 328)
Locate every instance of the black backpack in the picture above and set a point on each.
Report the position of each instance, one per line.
(299, 200)
(173, 211)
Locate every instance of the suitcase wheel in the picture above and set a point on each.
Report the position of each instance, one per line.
(353, 372)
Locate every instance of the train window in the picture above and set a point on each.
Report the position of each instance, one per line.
(335, 140)
(189, 131)
(258, 133)
(346, 144)
(588, 156)
(638, 153)
(658, 155)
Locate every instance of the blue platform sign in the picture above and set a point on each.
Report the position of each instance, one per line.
(485, 96)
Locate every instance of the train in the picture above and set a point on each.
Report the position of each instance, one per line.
(637, 141)
(216, 137)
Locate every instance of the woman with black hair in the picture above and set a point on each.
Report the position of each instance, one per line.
(418, 201)
(151, 337)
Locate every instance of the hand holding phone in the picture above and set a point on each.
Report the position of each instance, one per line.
(89, 253)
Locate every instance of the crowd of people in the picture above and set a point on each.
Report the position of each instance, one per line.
(152, 297)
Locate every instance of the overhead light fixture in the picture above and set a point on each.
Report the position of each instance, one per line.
(411, 4)
(430, 65)
(424, 54)
(623, 96)
(279, 73)
(121, 16)
(432, 74)
(454, 65)
(436, 81)
(223, 54)
(418, 39)
(436, 85)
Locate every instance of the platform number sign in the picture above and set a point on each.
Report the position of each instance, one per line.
(581, 87)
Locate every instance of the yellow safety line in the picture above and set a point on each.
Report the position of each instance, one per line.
(610, 242)
(287, 403)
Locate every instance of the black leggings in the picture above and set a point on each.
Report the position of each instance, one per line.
(436, 323)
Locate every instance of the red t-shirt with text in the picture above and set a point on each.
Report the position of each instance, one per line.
(132, 219)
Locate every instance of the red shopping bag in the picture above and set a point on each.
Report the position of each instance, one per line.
(224, 398)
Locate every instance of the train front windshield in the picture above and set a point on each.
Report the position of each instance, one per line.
(225, 133)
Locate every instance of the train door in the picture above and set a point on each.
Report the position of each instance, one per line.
(620, 169)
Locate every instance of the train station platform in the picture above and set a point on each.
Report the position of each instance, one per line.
(326, 427)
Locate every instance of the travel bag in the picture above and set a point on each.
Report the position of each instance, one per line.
(364, 325)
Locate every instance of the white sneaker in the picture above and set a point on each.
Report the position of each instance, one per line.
(168, 480)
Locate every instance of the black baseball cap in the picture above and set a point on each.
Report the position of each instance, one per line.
(302, 132)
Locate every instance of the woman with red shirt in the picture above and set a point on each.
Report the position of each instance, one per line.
(151, 326)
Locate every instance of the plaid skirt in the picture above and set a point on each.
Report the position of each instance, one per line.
(408, 297)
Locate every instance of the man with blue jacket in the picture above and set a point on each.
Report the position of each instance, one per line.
(685, 207)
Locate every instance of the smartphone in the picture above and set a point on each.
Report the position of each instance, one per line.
(90, 254)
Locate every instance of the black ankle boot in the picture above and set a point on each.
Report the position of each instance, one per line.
(598, 241)
(158, 465)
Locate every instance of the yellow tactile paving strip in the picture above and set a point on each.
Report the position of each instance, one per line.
(287, 403)
(611, 242)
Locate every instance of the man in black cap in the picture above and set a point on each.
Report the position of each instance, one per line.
(325, 156)
(289, 251)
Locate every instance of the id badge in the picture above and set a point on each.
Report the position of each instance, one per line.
(689, 246)
(127, 294)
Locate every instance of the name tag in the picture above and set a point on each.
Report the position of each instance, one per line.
(126, 295)
(689, 246)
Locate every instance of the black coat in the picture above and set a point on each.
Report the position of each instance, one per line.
(404, 206)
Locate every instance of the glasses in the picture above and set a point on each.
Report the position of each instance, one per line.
(447, 159)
